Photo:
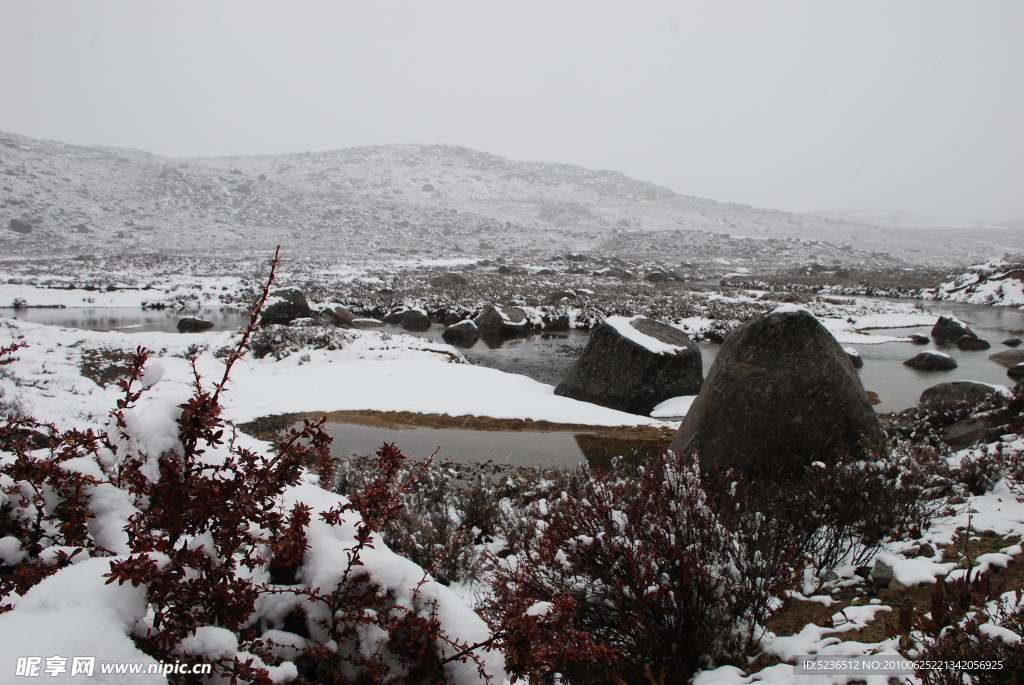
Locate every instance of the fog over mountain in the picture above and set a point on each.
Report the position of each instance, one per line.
(421, 199)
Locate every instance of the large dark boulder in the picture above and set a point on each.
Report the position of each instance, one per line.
(781, 395)
(462, 334)
(948, 331)
(1008, 358)
(1016, 373)
(284, 306)
(193, 325)
(633, 365)
(448, 280)
(930, 360)
(415, 320)
(502, 321)
(950, 395)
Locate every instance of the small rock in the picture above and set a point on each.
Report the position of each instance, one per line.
(965, 433)
(192, 325)
(451, 318)
(341, 315)
(559, 295)
(284, 306)
(448, 279)
(19, 226)
(427, 188)
(881, 575)
(656, 277)
(829, 576)
(1016, 372)
(462, 334)
(414, 320)
(366, 323)
(931, 361)
(1008, 358)
(926, 550)
(1013, 342)
(919, 339)
(858, 361)
(873, 398)
(503, 321)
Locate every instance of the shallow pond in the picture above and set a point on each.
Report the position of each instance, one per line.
(561, 449)
(546, 357)
(126, 319)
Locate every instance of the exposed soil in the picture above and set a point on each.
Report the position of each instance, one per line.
(269, 427)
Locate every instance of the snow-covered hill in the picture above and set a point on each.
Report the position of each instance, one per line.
(420, 199)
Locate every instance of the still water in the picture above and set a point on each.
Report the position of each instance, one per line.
(546, 357)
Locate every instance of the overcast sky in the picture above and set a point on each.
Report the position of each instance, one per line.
(915, 106)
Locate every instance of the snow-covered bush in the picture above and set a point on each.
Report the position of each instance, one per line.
(622, 579)
(214, 553)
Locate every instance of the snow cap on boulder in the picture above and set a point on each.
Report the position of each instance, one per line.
(502, 320)
(634, 364)
(781, 395)
(284, 306)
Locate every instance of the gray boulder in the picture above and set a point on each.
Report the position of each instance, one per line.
(193, 325)
(502, 321)
(947, 331)
(855, 358)
(341, 316)
(1012, 342)
(414, 320)
(19, 226)
(1016, 372)
(1008, 358)
(284, 306)
(930, 360)
(462, 334)
(919, 339)
(448, 280)
(969, 344)
(633, 365)
(781, 395)
(948, 395)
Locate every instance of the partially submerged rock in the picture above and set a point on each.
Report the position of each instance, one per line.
(1012, 342)
(284, 306)
(949, 395)
(919, 339)
(414, 320)
(781, 395)
(502, 321)
(1016, 372)
(462, 334)
(969, 344)
(193, 325)
(341, 316)
(1008, 358)
(949, 330)
(858, 361)
(634, 364)
(930, 360)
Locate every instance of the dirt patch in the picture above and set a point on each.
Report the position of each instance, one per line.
(269, 427)
(104, 366)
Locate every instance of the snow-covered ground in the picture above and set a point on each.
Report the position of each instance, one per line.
(74, 612)
(997, 283)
